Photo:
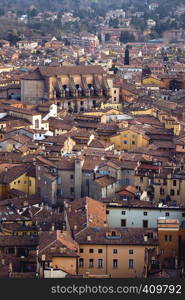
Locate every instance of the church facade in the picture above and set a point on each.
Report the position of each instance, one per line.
(73, 88)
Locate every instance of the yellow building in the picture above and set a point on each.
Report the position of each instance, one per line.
(24, 183)
(170, 123)
(104, 111)
(152, 80)
(19, 177)
(117, 106)
(19, 229)
(150, 111)
(128, 139)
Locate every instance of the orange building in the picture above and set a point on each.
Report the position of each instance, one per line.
(114, 252)
(168, 234)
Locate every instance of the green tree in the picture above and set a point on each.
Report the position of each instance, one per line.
(114, 23)
(12, 36)
(32, 13)
(126, 37)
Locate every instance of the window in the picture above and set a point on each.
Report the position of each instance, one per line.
(36, 123)
(167, 214)
(81, 250)
(114, 98)
(131, 263)
(162, 251)
(115, 251)
(91, 263)
(81, 263)
(115, 263)
(100, 263)
(29, 182)
(100, 250)
(164, 182)
(114, 91)
(161, 191)
(150, 235)
(125, 142)
(123, 223)
(123, 212)
(18, 181)
(133, 142)
(107, 212)
(91, 250)
(81, 102)
(69, 103)
(172, 192)
(131, 251)
(141, 179)
(71, 176)
(145, 213)
(15, 182)
(174, 182)
(25, 182)
(72, 190)
(183, 215)
(11, 250)
(145, 223)
(168, 238)
(127, 181)
(125, 135)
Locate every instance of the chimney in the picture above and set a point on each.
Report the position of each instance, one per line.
(10, 267)
(75, 227)
(87, 274)
(88, 238)
(66, 204)
(145, 238)
(43, 257)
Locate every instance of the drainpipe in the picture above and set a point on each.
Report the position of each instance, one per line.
(106, 261)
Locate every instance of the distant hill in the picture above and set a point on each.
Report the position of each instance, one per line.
(61, 4)
(23, 5)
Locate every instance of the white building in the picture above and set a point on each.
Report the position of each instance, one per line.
(118, 13)
(125, 215)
